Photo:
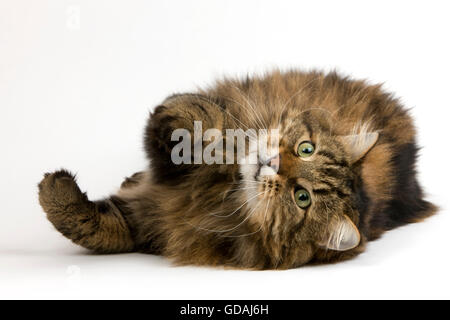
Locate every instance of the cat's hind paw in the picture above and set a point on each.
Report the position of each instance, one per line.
(59, 192)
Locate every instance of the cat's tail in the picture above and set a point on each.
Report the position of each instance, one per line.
(95, 225)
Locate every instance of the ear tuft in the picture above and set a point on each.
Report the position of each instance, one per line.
(359, 144)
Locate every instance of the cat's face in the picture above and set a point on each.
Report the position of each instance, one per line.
(302, 195)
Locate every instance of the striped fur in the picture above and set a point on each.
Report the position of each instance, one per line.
(223, 214)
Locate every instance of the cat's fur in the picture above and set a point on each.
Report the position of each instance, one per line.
(205, 214)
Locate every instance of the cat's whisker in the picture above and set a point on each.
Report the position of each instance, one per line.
(248, 216)
(260, 228)
(249, 182)
(253, 184)
(222, 230)
(257, 122)
(254, 187)
(228, 215)
(258, 115)
(254, 181)
(245, 188)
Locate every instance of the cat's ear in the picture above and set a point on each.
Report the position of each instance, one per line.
(359, 144)
(344, 235)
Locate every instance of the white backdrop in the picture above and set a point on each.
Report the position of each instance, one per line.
(77, 79)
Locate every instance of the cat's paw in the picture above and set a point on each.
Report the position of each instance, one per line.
(59, 192)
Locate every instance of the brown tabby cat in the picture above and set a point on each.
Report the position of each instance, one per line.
(345, 174)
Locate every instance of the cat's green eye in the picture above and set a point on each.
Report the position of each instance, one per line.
(302, 198)
(305, 149)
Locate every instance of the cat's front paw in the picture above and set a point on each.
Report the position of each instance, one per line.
(59, 192)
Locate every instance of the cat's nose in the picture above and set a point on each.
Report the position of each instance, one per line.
(274, 162)
(270, 166)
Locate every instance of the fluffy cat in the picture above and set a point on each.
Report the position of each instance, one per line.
(344, 174)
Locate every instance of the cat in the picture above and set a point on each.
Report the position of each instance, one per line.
(344, 173)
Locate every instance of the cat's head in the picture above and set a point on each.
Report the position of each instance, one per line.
(303, 195)
(298, 200)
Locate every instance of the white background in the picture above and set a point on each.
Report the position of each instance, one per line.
(77, 95)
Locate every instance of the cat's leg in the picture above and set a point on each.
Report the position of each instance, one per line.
(96, 225)
(179, 112)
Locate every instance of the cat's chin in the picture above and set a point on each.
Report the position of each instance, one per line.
(249, 172)
(265, 171)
